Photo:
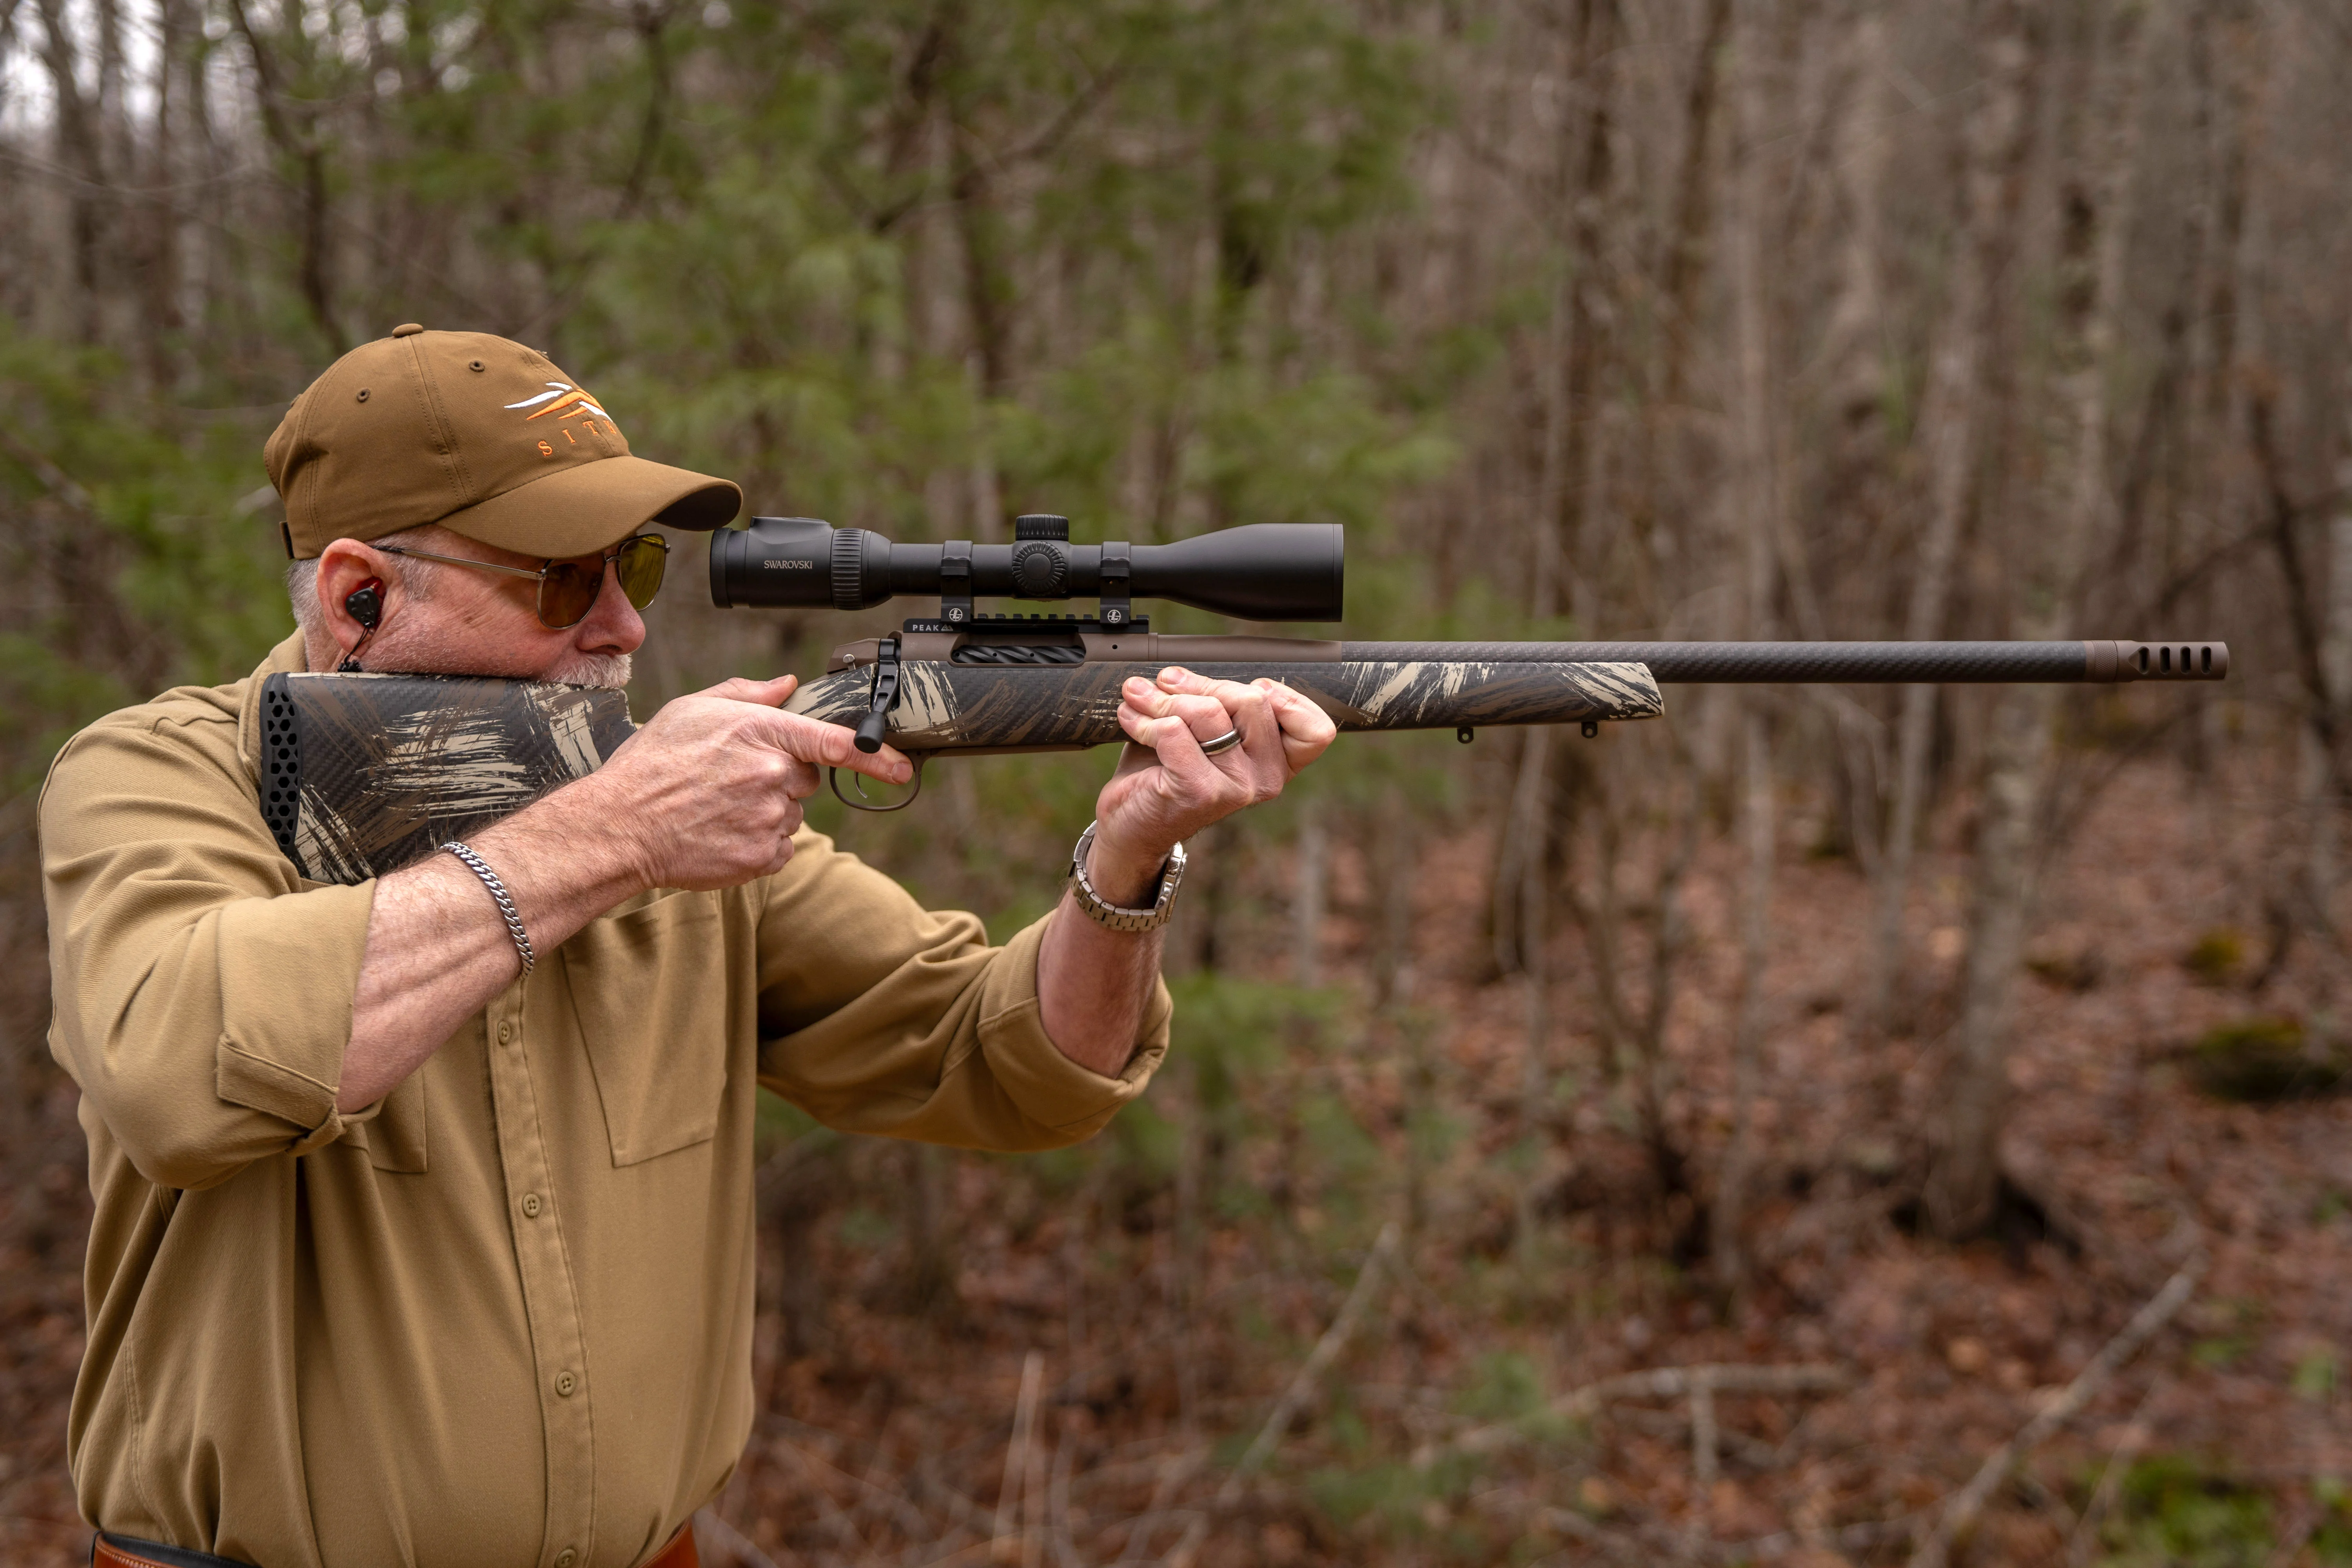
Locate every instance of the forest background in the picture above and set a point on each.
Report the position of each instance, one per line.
(1930, 1094)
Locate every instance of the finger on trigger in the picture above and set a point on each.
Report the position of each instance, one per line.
(889, 765)
(834, 746)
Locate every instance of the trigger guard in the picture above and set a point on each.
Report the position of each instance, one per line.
(864, 801)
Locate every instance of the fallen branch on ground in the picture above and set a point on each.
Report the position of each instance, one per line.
(2085, 1537)
(1961, 1511)
(1377, 1267)
(1698, 1383)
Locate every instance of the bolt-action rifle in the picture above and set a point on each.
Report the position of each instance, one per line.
(364, 774)
(961, 683)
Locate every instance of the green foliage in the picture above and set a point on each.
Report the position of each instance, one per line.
(2176, 1514)
(1505, 1385)
(133, 566)
(2331, 1539)
(2264, 1058)
(868, 1229)
(1388, 1498)
(2218, 957)
(2219, 1351)
(2316, 1374)
(1228, 1028)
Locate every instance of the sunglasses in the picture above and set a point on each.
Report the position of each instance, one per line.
(568, 589)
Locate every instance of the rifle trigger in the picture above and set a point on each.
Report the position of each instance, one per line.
(864, 802)
(1592, 727)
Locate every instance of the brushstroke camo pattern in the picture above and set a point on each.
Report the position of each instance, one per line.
(957, 708)
(365, 773)
(372, 773)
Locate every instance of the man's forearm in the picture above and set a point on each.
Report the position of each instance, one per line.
(1094, 983)
(438, 949)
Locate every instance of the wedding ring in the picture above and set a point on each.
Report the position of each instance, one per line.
(1224, 743)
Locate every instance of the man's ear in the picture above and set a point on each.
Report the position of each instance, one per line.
(344, 567)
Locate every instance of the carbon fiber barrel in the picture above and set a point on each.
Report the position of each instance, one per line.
(1688, 663)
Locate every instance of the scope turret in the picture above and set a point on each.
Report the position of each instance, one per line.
(1262, 571)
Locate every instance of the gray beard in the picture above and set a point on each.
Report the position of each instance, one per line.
(609, 671)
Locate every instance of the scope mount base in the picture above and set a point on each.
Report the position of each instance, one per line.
(1137, 626)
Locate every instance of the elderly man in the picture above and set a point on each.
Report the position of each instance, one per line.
(424, 1228)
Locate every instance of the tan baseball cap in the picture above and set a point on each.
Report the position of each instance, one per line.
(480, 434)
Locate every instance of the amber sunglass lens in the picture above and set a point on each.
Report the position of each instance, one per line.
(639, 566)
(567, 593)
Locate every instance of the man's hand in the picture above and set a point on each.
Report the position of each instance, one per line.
(1166, 789)
(708, 793)
(707, 796)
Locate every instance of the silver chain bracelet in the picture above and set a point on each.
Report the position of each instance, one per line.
(476, 864)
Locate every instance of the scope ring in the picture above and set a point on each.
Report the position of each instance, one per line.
(832, 777)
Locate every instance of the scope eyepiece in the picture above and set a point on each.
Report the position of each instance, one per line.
(1261, 571)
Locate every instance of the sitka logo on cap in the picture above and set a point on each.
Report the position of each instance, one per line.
(565, 401)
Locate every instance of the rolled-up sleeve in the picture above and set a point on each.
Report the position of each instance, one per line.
(203, 996)
(878, 1016)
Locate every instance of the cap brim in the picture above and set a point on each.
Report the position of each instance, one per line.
(585, 506)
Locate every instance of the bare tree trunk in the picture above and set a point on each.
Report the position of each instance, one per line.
(1306, 906)
(160, 222)
(1757, 520)
(1854, 355)
(931, 1251)
(1999, 134)
(1964, 1176)
(1686, 258)
(80, 150)
(303, 145)
(1680, 265)
(1852, 352)
(2323, 799)
(1563, 493)
(1636, 1039)
(1531, 817)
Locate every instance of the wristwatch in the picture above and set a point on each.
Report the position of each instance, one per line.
(1111, 915)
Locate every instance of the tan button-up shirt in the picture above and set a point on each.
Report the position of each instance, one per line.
(504, 1317)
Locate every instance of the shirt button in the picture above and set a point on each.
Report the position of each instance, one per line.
(565, 1383)
(506, 1032)
(530, 1205)
(566, 1558)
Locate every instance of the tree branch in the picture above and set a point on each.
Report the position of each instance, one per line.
(1962, 1510)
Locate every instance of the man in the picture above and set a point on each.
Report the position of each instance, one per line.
(424, 1228)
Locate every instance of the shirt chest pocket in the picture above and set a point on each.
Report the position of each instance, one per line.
(650, 990)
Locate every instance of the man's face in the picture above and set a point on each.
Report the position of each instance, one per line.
(472, 622)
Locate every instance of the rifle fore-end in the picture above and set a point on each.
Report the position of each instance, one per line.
(946, 708)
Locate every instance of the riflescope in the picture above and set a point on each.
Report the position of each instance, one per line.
(1261, 571)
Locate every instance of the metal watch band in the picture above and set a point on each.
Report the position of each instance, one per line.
(1111, 915)
(480, 867)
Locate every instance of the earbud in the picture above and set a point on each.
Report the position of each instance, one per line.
(365, 605)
